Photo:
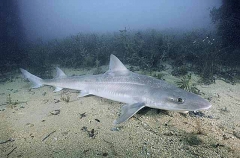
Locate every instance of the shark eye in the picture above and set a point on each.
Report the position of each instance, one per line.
(177, 100)
(180, 100)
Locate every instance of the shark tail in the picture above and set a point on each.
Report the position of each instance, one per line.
(36, 81)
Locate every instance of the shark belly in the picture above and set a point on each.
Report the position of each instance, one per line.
(120, 97)
(121, 93)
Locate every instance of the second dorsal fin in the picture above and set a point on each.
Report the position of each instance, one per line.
(60, 73)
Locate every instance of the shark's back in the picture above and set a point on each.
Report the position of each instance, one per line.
(136, 79)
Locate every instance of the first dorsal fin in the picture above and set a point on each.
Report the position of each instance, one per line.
(116, 65)
(60, 73)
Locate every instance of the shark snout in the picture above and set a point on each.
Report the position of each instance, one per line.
(206, 105)
(202, 104)
(194, 102)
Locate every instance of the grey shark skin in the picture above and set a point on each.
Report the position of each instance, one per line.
(120, 84)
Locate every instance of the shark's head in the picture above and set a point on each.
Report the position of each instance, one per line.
(180, 100)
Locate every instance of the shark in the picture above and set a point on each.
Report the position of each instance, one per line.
(120, 84)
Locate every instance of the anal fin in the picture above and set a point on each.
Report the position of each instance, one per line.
(184, 112)
(128, 111)
(83, 93)
(57, 89)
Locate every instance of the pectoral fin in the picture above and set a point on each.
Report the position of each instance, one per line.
(128, 111)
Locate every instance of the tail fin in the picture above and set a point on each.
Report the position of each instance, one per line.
(37, 82)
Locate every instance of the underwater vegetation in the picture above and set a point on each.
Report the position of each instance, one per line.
(13, 103)
(180, 71)
(198, 52)
(65, 97)
(186, 84)
(158, 75)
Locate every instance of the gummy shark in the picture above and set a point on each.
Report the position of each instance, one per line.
(119, 84)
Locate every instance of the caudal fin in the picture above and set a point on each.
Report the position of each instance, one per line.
(36, 81)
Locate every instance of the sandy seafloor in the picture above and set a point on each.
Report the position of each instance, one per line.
(84, 127)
